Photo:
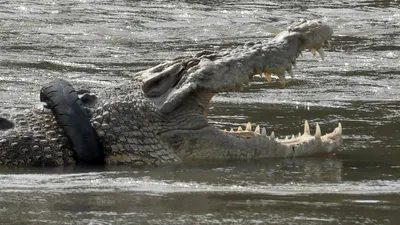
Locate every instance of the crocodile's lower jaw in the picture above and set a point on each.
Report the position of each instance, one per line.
(292, 140)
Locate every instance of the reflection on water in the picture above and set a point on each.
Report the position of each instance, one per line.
(261, 176)
(96, 44)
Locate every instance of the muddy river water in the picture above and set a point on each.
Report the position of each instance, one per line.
(95, 44)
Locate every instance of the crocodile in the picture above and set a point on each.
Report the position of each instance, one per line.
(159, 116)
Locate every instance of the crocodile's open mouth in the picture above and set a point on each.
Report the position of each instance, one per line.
(250, 131)
(174, 84)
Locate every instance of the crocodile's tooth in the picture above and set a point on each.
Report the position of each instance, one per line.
(292, 136)
(299, 134)
(328, 44)
(321, 53)
(239, 128)
(282, 79)
(264, 131)
(257, 130)
(306, 128)
(287, 137)
(272, 135)
(288, 66)
(340, 129)
(313, 51)
(225, 130)
(293, 61)
(317, 131)
(268, 77)
(248, 126)
(290, 71)
(232, 130)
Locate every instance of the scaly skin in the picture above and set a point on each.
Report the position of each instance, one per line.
(159, 116)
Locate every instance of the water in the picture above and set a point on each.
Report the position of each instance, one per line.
(95, 44)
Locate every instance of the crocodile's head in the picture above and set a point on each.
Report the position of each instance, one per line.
(182, 89)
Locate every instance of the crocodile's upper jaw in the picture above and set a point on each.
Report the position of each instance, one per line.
(168, 84)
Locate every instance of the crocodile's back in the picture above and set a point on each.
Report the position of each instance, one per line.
(35, 140)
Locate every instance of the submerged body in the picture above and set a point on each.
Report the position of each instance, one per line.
(159, 116)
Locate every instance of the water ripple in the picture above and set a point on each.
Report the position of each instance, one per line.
(101, 182)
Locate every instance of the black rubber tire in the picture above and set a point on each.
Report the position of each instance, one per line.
(64, 102)
(5, 124)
